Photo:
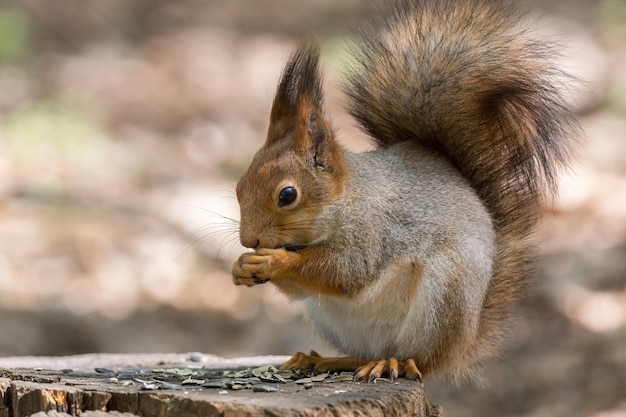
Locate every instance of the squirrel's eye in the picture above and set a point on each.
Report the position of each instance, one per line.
(287, 196)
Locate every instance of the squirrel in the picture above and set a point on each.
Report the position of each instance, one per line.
(409, 257)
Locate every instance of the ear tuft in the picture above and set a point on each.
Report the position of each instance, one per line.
(301, 76)
(300, 86)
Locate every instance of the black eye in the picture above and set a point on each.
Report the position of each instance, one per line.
(287, 196)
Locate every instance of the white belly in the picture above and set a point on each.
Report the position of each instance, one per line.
(385, 320)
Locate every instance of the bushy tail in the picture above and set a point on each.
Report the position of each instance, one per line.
(463, 78)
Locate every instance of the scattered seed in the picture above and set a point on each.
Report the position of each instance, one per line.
(259, 379)
(261, 370)
(341, 378)
(214, 384)
(304, 381)
(191, 381)
(381, 381)
(264, 388)
(147, 385)
(181, 372)
(280, 378)
(167, 385)
(246, 380)
(316, 378)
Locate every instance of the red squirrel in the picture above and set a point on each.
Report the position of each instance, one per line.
(409, 257)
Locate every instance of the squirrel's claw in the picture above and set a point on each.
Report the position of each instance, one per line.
(391, 367)
(410, 371)
(258, 280)
(376, 369)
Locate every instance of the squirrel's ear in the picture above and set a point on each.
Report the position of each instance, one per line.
(297, 110)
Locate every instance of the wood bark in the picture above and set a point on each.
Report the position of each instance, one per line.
(55, 387)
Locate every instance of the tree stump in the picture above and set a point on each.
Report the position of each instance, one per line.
(180, 385)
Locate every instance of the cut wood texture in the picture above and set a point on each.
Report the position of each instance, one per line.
(181, 385)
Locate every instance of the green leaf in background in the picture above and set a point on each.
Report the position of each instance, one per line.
(13, 35)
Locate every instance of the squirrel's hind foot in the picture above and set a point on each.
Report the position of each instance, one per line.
(320, 364)
(390, 367)
(362, 368)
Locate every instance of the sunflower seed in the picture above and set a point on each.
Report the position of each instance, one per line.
(191, 381)
(280, 378)
(302, 381)
(341, 378)
(215, 384)
(147, 385)
(167, 385)
(264, 388)
(262, 370)
(381, 381)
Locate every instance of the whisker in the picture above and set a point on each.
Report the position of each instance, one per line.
(215, 213)
(229, 237)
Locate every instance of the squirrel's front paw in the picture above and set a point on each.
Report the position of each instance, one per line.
(249, 270)
(259, 267)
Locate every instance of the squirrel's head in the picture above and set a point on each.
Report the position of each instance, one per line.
(299, 170)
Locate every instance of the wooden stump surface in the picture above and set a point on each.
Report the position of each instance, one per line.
(183, 385)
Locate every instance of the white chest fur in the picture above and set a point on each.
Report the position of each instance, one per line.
(390, 318)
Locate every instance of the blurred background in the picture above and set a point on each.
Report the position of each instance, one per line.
(124, 125)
